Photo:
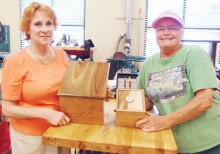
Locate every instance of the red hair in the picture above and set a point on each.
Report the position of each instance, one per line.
(29, 13)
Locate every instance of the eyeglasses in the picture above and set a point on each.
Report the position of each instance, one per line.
(169, 29)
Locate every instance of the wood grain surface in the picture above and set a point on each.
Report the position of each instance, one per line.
(85, 79)
(138, 100)
(83, 110)
(110, 138)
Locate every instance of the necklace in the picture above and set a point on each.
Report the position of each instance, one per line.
(48, 59)
(38, 57)
(43, 59)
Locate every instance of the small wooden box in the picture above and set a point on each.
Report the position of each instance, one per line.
(130, 107)
(83, 91)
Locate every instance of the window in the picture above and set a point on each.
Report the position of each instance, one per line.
(71, 18)
(201, 18)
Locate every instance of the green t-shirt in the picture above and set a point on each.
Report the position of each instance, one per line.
(171, 83)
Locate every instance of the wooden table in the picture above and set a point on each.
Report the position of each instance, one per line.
(109, 138)
(78, 51)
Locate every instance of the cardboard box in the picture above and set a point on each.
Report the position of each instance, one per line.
(130, 107)
(83, 91)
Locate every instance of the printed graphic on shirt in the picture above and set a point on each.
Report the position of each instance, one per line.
(165, 86)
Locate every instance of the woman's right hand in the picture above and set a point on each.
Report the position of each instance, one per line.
(54, 117)
(12, 110)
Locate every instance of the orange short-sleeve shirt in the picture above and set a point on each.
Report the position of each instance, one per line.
(35, 85)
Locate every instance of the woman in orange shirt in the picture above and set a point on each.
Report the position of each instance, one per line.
(30, 82)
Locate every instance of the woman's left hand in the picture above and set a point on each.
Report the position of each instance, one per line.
(110, 94)
(152, 123)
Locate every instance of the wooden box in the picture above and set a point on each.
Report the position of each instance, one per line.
(83, 91)
(130, 107)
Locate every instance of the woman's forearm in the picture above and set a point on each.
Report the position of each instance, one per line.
(198, 105)
(11, 110)
(148, 104)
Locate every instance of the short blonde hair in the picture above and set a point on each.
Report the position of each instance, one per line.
(29, 13)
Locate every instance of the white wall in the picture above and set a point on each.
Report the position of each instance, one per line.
(9, 15)
(102, 25)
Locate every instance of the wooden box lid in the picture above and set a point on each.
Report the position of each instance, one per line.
(85, 79)
(130, 100)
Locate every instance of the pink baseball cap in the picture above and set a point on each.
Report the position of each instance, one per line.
(167, 14)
